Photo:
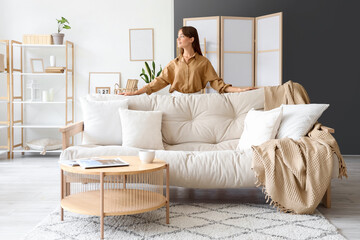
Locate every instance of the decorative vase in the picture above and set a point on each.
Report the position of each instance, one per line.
(52, 61)
(58, 38)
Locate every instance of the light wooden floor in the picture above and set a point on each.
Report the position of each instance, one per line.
(29, 191)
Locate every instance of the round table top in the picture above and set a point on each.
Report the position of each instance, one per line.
(135, 167)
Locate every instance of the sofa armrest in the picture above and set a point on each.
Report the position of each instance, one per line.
(330, 130)
(70, 131)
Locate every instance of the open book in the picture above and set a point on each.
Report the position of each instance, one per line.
(97, 162)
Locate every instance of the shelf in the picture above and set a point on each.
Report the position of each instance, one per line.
(39, 45)
(116, 202)
(37, 126)
(24, 74)
(5, 109)
(40, 74)
(30, 102)
(20, 150)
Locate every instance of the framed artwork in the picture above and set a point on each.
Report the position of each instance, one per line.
(37, 65)
(141, 44)
(103, 90)
(104, 82)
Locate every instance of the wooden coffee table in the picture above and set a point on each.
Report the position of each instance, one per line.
(115, 190)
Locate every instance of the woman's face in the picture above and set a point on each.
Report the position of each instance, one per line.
(184, 41)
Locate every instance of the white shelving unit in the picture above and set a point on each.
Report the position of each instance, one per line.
(34, 102)
(62, 105)
(5, 101)
(38, 45)
(22, 150)
(36, 126)
(41, 74)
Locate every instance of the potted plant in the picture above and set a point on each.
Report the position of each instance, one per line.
(152, 75)
(59, 37)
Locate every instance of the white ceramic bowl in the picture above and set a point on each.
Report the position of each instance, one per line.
(146, 156)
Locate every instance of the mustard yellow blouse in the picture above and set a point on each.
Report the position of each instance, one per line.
(187, 77)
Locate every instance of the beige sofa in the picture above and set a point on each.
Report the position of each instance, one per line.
(200, 135)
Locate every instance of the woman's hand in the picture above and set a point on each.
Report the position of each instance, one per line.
(138, 92)
(230, 89)
(128, 93)
(247, 89)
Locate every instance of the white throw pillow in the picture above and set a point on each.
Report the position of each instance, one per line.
(259, 127)
(102, 122)
(298, 119)
(142, 129)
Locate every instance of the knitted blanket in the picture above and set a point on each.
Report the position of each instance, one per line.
(295, 174)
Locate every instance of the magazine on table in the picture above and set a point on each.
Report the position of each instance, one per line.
(96, 162)
(102, 162)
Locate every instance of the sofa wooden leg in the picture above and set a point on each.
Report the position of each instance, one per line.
(327, 198)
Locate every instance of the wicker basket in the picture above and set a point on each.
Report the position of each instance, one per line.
(131, 86)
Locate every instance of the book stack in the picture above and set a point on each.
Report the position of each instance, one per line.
(55, 69)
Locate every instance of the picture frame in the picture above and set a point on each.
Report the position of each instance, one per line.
(141, 44)
(103, 90)
(37, 65)
(104, 80)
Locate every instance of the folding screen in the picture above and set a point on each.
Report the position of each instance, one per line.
(268, 53)
(249, 50)
(208, 29)
(237, 51)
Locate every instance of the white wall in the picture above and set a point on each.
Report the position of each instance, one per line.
(100, 31)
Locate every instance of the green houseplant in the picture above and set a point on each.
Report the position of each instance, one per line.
(58, 37)
(151, 72)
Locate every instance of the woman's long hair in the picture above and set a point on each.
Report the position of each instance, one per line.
(190, 32)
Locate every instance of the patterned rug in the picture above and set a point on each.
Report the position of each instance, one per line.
(190, 221)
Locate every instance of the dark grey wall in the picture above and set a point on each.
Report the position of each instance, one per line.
(321, 50)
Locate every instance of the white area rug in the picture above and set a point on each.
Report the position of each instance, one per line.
(190, 221)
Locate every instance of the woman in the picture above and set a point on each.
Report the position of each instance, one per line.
(189, 72)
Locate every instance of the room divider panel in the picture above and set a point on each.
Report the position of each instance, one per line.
(209, 36)
(245, 51)
(237, 51)
(268, 50)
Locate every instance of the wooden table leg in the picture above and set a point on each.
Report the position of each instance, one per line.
(102, 205)
(167, 194)
(61, 194)
(124, 181)
(327, 197)
(67, 189)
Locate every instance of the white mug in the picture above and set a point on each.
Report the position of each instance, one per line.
(146, 156)
(52, 61)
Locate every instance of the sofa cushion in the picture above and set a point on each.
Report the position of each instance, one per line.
(204, 118)
(198, 146)
(259, 127)
(102, 121)
(141, 129)
(194, 169)
(298, 119)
